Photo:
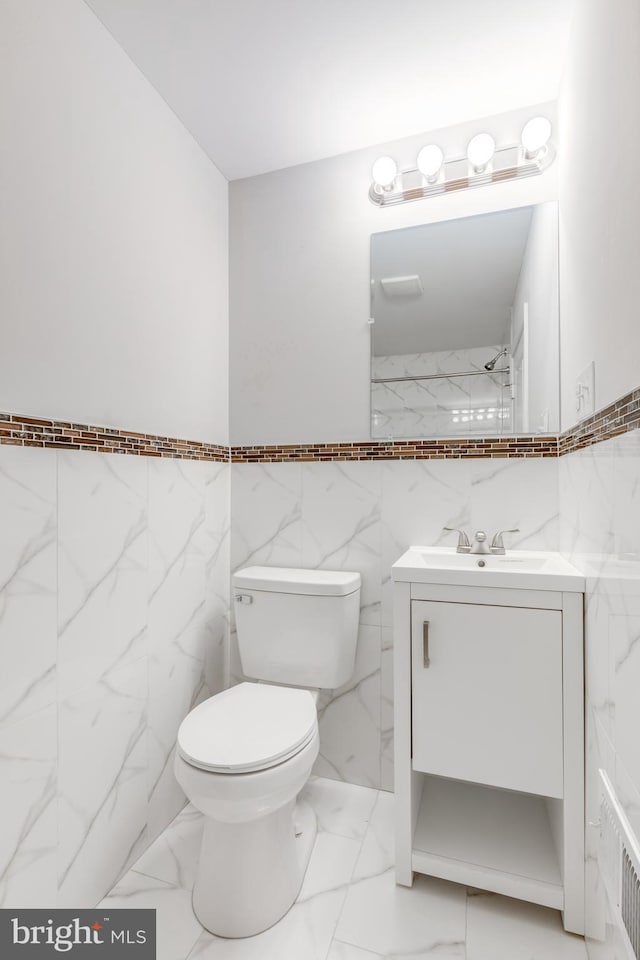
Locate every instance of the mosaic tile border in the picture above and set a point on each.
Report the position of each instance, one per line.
(60, 434)
(399, 450)
(619, 417)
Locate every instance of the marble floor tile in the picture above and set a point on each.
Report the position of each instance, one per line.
(341, 808)
(349, 907)
(377, 854)
(502, 929)
(176, 926)
(425, 920)
(331, 865)
(346, 951)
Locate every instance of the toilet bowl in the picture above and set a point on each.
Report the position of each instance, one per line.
(244, 755)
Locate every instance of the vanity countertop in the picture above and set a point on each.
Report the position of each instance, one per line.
(520, 569)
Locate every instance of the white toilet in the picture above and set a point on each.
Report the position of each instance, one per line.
(244, 755)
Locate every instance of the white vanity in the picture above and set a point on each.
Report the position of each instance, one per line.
(489, 724)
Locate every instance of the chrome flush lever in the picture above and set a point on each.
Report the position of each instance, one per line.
(243, 598)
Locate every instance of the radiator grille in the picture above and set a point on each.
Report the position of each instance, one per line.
(619, 861)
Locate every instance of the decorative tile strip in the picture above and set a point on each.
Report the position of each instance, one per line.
(510, 447)
(60, 434)
(619, 417)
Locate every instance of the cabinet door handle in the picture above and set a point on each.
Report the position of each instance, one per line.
(425, 644)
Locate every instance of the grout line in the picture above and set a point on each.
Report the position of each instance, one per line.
(350, 881)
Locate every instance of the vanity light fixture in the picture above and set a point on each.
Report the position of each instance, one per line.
(480, 150)
(484, 163)
(536, 134)
(429, 162)
(384, 173)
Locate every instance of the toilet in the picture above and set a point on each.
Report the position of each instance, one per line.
(244, 755)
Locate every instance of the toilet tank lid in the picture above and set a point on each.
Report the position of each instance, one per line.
(327, 583)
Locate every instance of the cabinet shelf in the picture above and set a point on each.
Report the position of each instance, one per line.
(495, 839)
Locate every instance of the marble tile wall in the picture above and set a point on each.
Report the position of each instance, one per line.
(362, 516)
(600, 533)
(113, 623)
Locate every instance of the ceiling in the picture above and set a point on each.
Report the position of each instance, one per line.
(267, 84)
(469, 272)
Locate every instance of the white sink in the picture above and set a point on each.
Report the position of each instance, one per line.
(523, 569)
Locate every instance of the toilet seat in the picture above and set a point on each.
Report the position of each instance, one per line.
(247, 728)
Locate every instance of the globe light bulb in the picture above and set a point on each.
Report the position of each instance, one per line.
(384, 171)
(535, 136)
(480, 150)
(429, 162)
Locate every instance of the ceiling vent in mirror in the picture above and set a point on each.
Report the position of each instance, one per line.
(485, 163)
(402, 286)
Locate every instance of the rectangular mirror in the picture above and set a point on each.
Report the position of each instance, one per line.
(465, 333)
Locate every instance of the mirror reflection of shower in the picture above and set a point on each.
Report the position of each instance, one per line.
(489, 406)
(492, 363)
(464, 326)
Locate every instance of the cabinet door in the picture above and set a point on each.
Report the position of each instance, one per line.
(487, 694)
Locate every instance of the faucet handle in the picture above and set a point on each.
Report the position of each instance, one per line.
(497, 544)
(464, 546)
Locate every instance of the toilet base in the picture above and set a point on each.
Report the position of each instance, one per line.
(250, 873)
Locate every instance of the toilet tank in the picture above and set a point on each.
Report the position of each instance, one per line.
(297, 627)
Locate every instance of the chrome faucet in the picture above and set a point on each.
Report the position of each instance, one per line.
(480, 544)
(463, 540)
(497, 544)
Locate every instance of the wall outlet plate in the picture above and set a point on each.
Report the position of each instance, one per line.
(585, 392)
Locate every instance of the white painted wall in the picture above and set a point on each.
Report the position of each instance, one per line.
(538, 288)
(299, 283)
(600, 201)
(113, 237)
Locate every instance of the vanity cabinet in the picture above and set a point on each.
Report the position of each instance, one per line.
(489, 744)
(487, 694)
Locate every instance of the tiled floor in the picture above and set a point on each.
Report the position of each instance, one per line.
(349, 907)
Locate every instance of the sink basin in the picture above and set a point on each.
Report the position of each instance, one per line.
(523, 569)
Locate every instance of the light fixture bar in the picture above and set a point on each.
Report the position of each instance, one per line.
(507, 163)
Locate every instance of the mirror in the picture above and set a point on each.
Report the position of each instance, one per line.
(465, 332)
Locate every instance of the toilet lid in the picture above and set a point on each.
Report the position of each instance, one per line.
(248, 727)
